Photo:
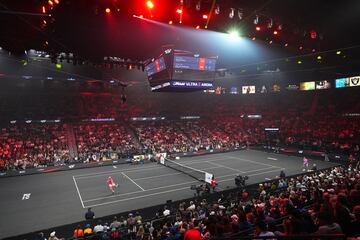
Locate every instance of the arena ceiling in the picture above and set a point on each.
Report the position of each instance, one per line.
(84, 28)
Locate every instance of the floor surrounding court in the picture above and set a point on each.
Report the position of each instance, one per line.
(35, 202)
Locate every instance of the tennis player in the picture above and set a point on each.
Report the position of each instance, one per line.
(112, 185)
(305, 164)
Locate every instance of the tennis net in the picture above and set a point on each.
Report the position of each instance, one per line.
(192, 172)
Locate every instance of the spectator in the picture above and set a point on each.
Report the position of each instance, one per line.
(193, 233)
(89, 215)
(78, 232)
(262, 230)
(326, 223)
(52, 236)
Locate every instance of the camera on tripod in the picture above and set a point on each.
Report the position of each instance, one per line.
(200, 189)
(240, 180)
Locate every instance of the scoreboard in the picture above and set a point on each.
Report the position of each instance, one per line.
(194, 63)
(156, 66)
(178, 70)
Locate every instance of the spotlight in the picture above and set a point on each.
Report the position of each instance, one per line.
(179, 11)
(204, 16)
(256, 20)
(234, 35)
(286, 44)
(198, 6)
(258, 28)
(107, 10)
(299, 62)
(338, 52)
(232, 13)
(319, 57)
(275, 32)
(254, 38)
(240, 14)
(170, 22)
(150, 4)
(197, 27)
(43, 9)
(217, 10)
(300, 48)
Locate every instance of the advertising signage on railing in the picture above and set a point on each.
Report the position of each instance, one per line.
(347, 82)
(248, 89)
(323, 84)
(305, 86)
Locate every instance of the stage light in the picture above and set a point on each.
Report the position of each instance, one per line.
(286, 44)
(338, 52)
(300, 48)
(254, 38)
(313, 34)
(275, 32)
(258, 28)
(51, 3)
(270, 42)
(256, 20)
(234, 35)
(319, 57)
(170, 22)
(43, 9)
(197, 27)
(232, 13)
(150, 4)
(179, 11)
(58, 66)
(57, 1)
(217, 10)
(299, 62)
(141, 16)
(107, 10)
(204, 16)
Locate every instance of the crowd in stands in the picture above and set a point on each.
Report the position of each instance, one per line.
(32, 145)
(318, 203)
(317, 124)
(103, 141)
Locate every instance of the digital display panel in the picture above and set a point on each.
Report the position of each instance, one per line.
(234, 90)
(323, 84)
(194, 63)
(248, 89)
(347, 82)
(354, 81)
(156, 66)
(305, 86)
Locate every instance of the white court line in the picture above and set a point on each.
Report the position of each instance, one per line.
(223, 166)
(90, 175)
(132, 181)
(168, 186)
(251, 175)
(107, 173)
(77, 189)
(172, 190)
(142, 196)
(115, 171)
(171, 174)
(270, 158)
(246, 160)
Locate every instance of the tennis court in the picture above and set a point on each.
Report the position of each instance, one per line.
(65, 195)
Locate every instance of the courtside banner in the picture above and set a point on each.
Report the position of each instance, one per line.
(208, 177)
